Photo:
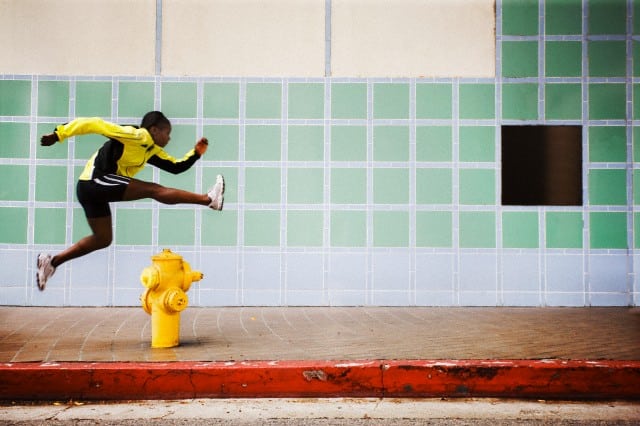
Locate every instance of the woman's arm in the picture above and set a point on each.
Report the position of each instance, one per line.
(166, 162)
(84, 126)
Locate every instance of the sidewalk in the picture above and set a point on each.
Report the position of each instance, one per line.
(105, 353)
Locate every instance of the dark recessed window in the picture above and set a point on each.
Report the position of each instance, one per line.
(542, 165)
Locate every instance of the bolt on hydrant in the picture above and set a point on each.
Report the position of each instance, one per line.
(167, 280)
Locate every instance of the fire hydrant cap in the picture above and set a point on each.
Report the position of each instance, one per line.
(166, 254)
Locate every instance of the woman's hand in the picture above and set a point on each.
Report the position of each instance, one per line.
(201, 146)
(48, 140)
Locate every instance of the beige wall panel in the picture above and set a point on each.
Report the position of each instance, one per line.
(77, 37)
(243, 37)
(413, 38)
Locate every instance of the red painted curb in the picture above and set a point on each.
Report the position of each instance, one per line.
(545, 379)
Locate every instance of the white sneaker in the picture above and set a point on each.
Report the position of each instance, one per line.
(216, 194)
(45, 270)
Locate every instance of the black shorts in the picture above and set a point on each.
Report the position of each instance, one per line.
(96, 194)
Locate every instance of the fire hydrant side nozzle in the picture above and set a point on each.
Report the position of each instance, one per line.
(167, 280)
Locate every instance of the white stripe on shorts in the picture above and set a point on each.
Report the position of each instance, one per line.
(114, 180)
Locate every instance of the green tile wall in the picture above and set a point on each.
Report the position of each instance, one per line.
(53, 98)
(306, 143)
(93, 99)
(337, 169)
(221, 100)
(348, 228)
(16, 97)
(135, 98)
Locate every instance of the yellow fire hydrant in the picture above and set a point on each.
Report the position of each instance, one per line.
(167, 280)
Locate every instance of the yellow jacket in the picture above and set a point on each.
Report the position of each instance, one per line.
(126, 152)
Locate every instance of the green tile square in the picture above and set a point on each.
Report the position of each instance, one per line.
(305, 185)
(607, 101)
(176, 227)
(15, 140)
(477, 186)
(519, 58)
(305, 143)
(607, 17)
(434, 229)
(17, 232)
(608, 187)
(564, 229)
(221, 100)
(520, 230)
(93, 99)
(230, 181)
(520, 17)
(53, 98)
(477, 230)
(608, 230)
(391, 143)
(262, 228)
(348, 143)
(433, 101)
(304, 228)
(135, 99)
(434, 186)
(15, 97)
(434, 143)
(50, 226)
(80, 226)
(223, 142)
(563, 101)
(636, 101)
(477, 143)
(520, 101)
(220, 228)
(477, 101)
(349, 100)
(133, 227)
(390, 229)
(51, 183)
(608, 144)
(16, 180)
(179, 100)
(348, 228)
(348, 186)
(264, 100)
(306, 100)
(563, 17)
(390, 186)
(262, 185)
(636, 144)
(391, 100)
(262, 143)
(636, 57)
(58, 150)
(563, 59)
(636, 186)
(607, 58)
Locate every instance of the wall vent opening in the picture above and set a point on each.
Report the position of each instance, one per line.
(542, 165)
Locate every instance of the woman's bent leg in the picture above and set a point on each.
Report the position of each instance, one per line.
(100, 238)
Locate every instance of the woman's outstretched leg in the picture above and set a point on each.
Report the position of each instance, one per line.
(137, 190)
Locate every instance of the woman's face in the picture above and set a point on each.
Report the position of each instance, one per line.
(161, 135)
